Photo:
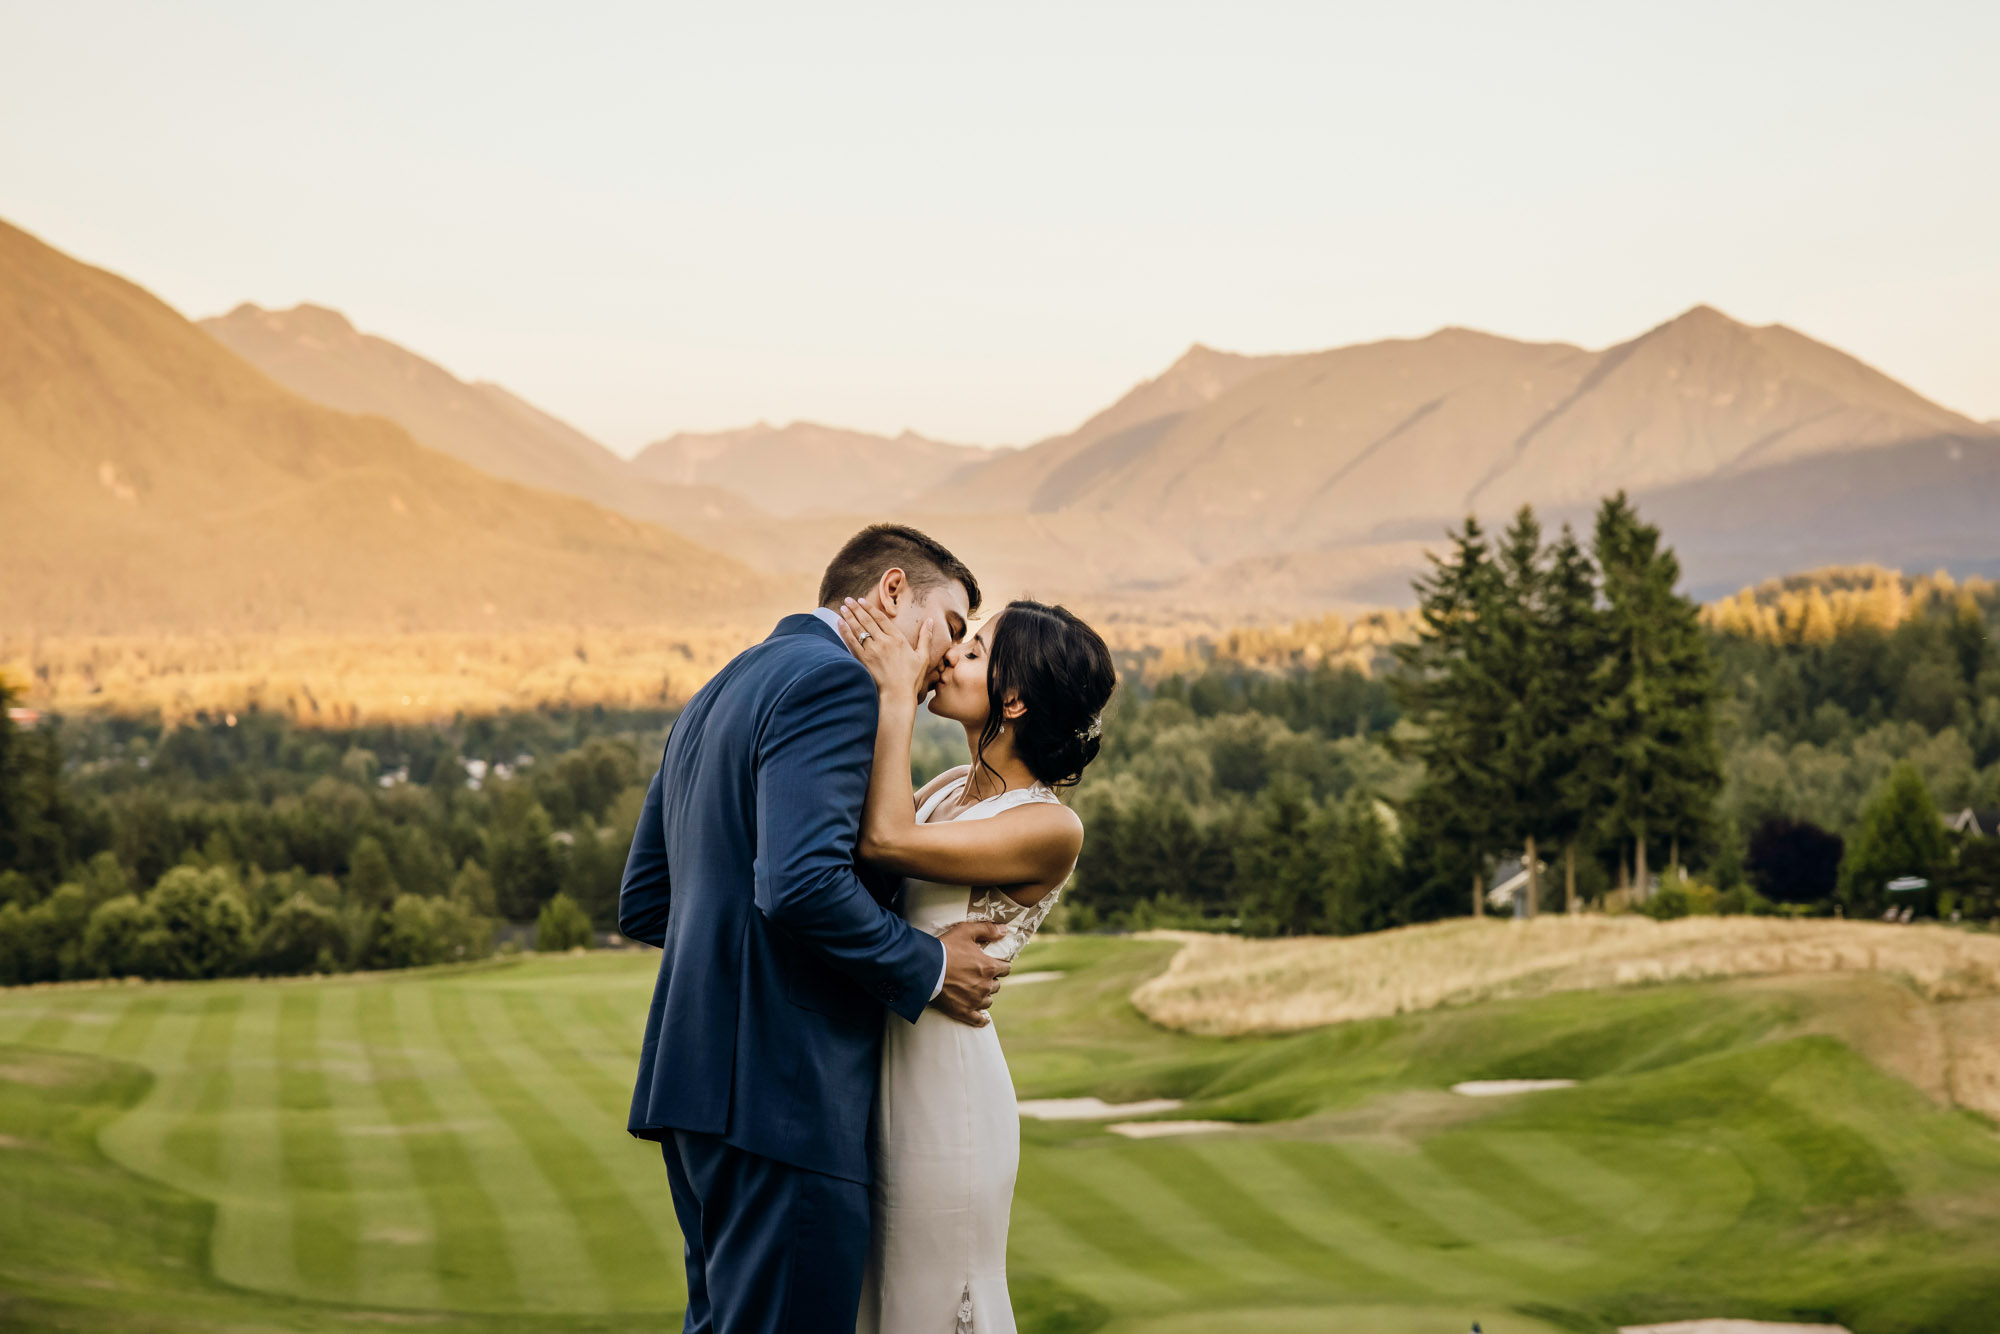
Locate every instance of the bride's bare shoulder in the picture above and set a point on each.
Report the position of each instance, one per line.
(949, 775)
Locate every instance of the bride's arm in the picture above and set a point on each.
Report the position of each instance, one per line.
(1033, 845)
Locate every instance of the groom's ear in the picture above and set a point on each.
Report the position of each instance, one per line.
(892, 588)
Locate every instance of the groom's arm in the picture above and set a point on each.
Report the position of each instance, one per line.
(812, 777)
(646, 892)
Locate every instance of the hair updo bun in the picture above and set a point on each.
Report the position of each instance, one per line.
(1061, 671)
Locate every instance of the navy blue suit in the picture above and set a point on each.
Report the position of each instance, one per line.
(758, 1069)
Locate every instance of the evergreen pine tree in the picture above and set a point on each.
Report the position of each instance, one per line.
(1447, 697)
(1512, 664)
(1654, 762)
(1573, 644)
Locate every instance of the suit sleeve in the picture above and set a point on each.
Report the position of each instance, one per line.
(812, 777)
(646, 892)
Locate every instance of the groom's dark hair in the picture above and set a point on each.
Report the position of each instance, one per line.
(880, 547)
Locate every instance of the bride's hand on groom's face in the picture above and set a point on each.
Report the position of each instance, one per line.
(899, 667)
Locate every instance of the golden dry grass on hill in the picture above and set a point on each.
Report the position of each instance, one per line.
(1227, 985)
(338, 680)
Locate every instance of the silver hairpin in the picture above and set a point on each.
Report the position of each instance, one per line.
(1094, 730)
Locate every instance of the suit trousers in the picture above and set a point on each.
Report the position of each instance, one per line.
(770, 1248)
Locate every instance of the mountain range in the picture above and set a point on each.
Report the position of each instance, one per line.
(281, 468)
(317, 354)
(805, 468)
(157, 482)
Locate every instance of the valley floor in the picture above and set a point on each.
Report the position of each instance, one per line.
(446, 1147)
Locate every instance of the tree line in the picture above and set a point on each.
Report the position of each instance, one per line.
(1553, 700)
(251, 845)
(1560, 704)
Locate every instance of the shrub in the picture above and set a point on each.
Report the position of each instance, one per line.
(207, 927)
(1668, 902)
(561, 926)
(1900, 835)
(124, 939)
(1794, 861)
(13, 945)
(301, 935)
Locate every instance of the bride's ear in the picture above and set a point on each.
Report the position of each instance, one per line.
(1012, 707)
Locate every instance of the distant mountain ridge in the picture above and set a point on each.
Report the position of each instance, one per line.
(318, 354)
(157, 482)
(1036, 479)
(170, 479)
(1382, 441)
(803, 467)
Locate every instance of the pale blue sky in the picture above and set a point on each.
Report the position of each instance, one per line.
(986, 222)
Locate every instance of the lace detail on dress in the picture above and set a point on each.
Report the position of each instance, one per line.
(963, 1325)
(992, 905)
(1020, 919)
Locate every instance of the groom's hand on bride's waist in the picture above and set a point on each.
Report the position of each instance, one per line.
(971, 975)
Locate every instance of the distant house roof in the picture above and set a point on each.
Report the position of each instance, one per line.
(1980, 822)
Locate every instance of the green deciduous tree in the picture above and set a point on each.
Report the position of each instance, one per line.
(524, 864)
(370, 878)
(301, 935)
(472, 889)
(125, 939)
(561, 925)
(1900, 835)
(206, 926)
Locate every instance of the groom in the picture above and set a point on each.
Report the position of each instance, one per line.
(757, 1075)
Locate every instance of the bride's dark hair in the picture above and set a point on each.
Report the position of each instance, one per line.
(1060, 669)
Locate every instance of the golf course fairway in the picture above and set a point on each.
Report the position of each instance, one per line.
(446, 1148)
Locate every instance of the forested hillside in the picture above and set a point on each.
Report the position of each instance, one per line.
(1792, 749)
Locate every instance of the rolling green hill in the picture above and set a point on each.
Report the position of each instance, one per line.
(447, 1148)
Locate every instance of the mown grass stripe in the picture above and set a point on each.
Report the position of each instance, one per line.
(1413, 1269)
(1240, 1214)
(623, 1029)
(253, 1235)
(50, 1028)
(469, 1246)
(617, 1245)
(1054, 1182)
(195, 1139)
(394, 1233)
(1474, 1162)
(324, 1235)
(127, 1034)
(634, 1243)
(539, 1029)
(551, 1269)
(1040, 1243)
(1330, 1171)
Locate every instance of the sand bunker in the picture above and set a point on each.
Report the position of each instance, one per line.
(1093, 1109)
(1157, 1129)
(1500, 1088)
(1731, 1327)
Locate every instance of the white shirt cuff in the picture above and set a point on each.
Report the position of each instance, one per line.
(938, 990)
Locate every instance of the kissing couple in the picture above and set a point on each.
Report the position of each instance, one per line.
(819, 1068)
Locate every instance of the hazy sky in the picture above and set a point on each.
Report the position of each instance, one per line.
(984, 223)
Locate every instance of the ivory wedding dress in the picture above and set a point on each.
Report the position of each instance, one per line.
(947, 1134)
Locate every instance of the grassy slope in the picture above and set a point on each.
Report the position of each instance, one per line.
(448, 1143)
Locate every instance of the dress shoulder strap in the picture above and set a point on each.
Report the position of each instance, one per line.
(939, 797)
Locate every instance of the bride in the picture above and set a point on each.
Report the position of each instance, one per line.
(1029, 689)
